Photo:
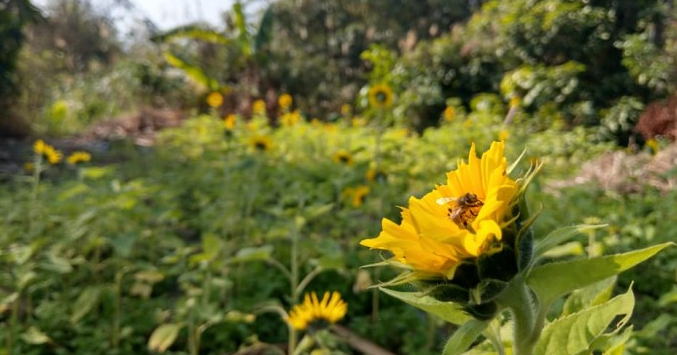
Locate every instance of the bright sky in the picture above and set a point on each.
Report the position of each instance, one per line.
(171, 13)
(167, 14)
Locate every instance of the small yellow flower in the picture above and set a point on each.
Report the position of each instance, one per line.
(467, 123)
(358, 121)
(215, 99)
(330, 127)
(78, 157)
(285, 101)
(259, 107)
(356, 195)
(52, 155)
(229, 122)
(39, 147)
(313, 313)
(29, 167)
(344, 157)
(261, 143)
(456, 222)
(290, 118)
(345, 110)
(374, 175)
(449, 113)
(503, 135)
(515, 101)
(653, 144)
(380, 96)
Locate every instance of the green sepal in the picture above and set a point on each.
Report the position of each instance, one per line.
(484, 311)
(444, 292)
(487, 291)
(464, 337)
(499, 266)
(524, 246)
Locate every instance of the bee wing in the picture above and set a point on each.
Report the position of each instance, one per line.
(445, 200)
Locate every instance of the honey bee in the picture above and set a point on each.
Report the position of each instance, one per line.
(465, 211)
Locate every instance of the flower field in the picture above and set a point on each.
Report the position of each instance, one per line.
(205, 245)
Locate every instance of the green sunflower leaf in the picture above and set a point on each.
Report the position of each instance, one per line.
(560, 236)
(448, 311)
(553, 280)
(574, 333)
(464, 337)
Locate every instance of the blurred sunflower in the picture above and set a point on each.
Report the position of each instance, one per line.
(261, 143)
(653, 145)
(289, 119)
(78, 157)
(375, 175)
(259, 107)
(314, 314)
(456, 222)
(345, 110)
(285, 101)
(356, 195)
(343, 157)
(214, 99)
(380, 96)
(449, 113)
(229, 122)
(48, 152)
(503, 135)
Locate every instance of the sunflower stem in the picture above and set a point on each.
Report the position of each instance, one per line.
(518, 299)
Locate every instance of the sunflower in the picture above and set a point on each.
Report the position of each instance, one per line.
(78, 157)
(380, 96)
(456, 222)
(375, 175)
(214, 99)
(285, 101)
(289, 119)
(346, 110)
(261, 143)
(449, 113)
(259, 107)
(503, 135)
(229, 122)
(343, 157)
(356, 195)
(45, 150)
(313, 313)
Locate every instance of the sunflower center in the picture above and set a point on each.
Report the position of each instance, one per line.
(381, 96)
(466, 210)
(261, 145)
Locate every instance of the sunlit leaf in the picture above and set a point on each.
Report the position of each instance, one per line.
(192, 31)
(574, 333)
(561, 235)
(34, 336)
(592, 295)
(553, 280)
(448, 311)
(261, 253)
(163, 337)
(87, 300)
